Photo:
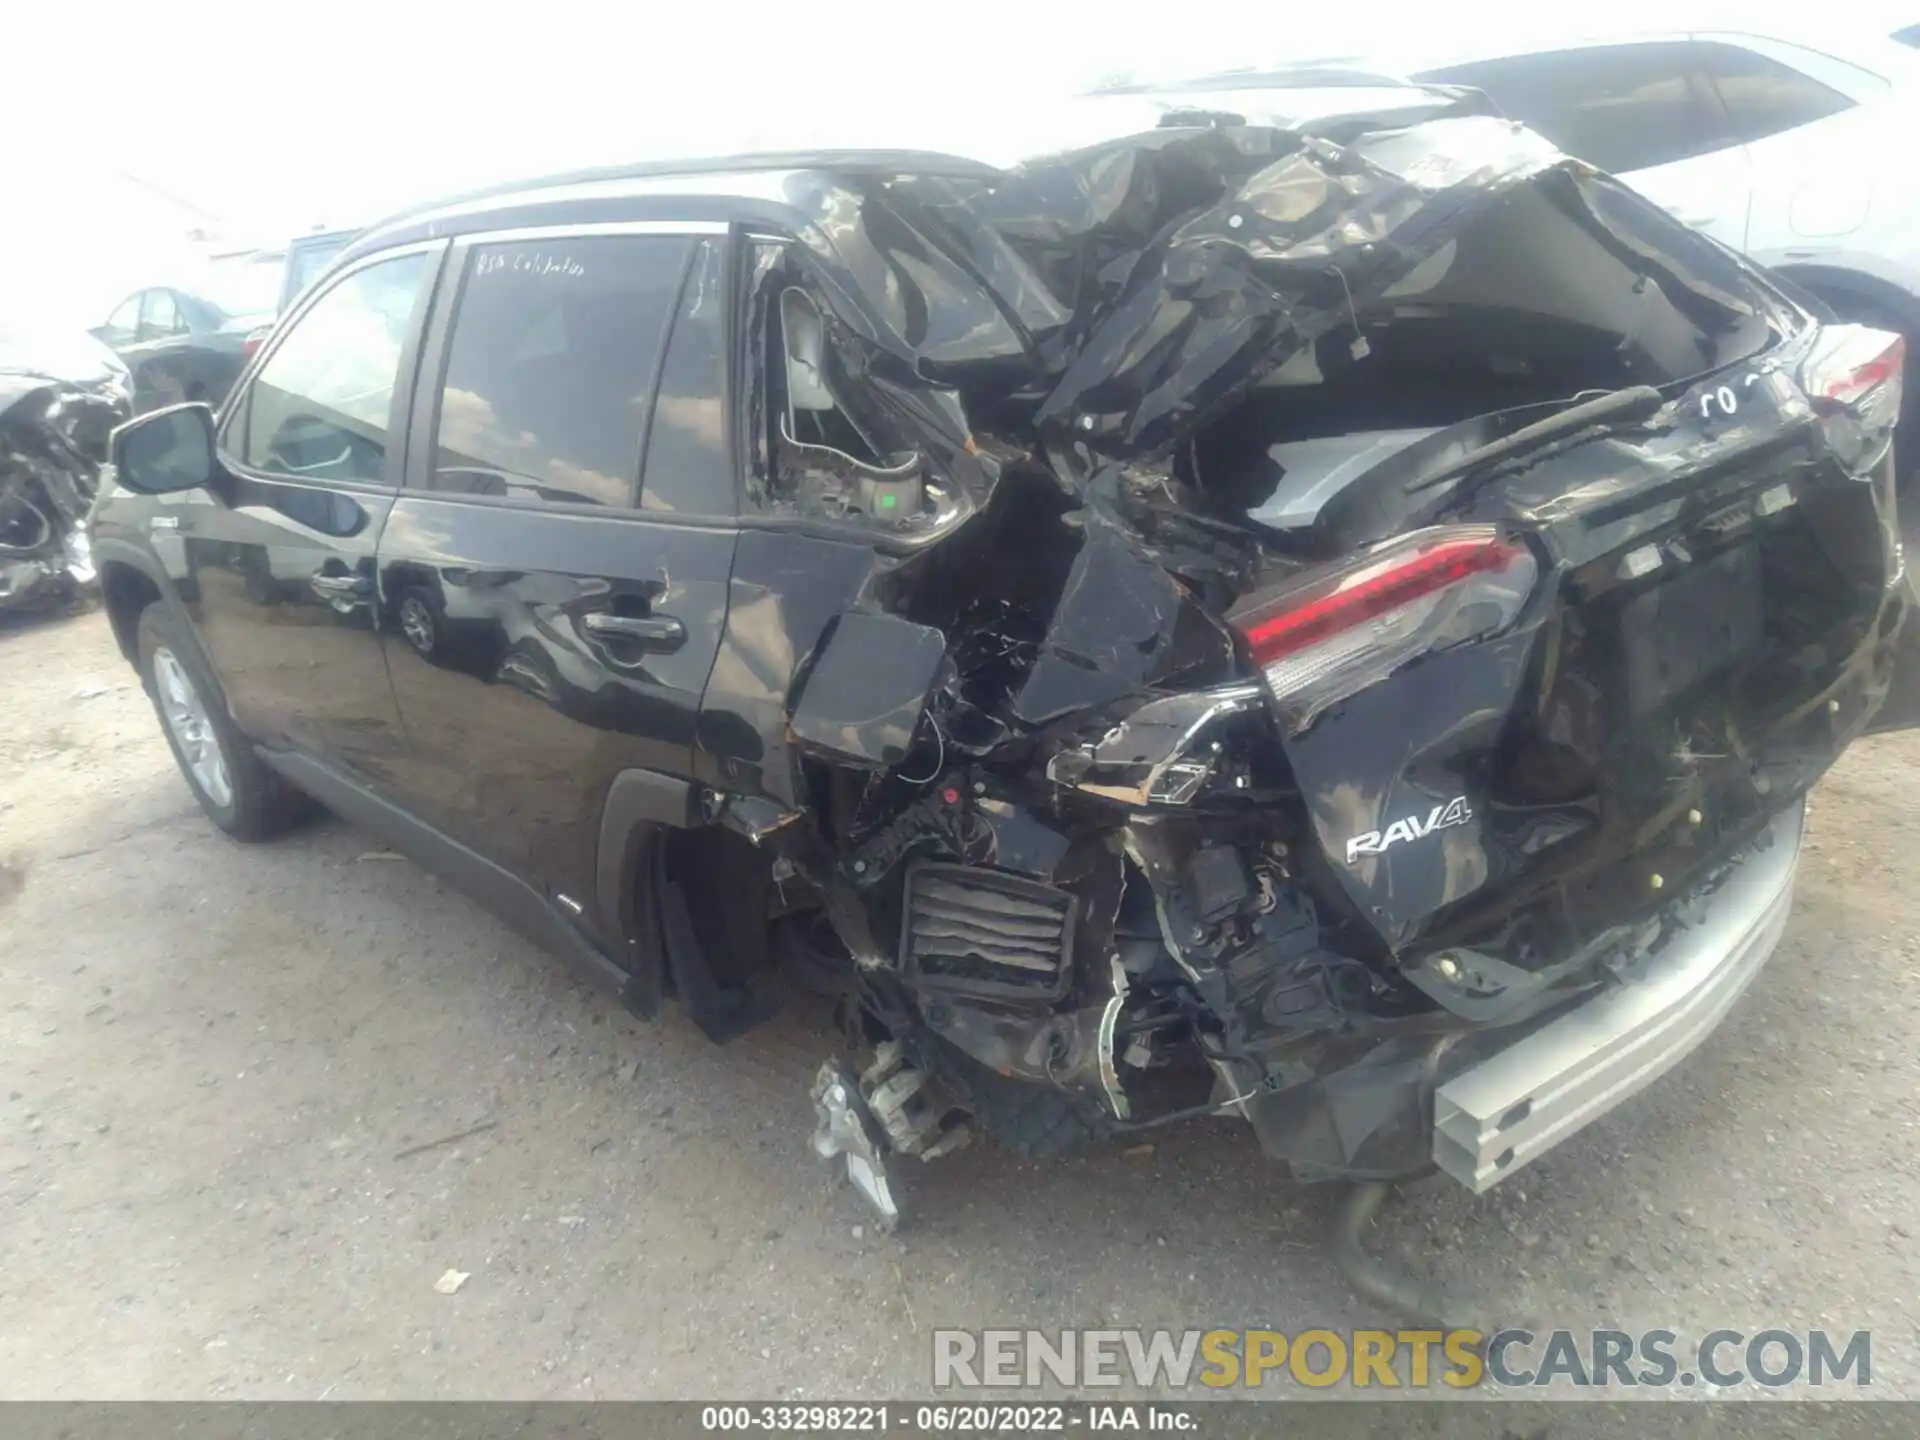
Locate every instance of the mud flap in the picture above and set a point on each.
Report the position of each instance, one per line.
(722, 1012)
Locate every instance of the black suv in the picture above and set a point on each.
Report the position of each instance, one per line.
(1327, 624)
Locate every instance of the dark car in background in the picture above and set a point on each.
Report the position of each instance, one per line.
(189, 341)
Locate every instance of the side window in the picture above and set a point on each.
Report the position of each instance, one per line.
(551, 366)
(1619, 107)
(687, 469)
(1763, 97)
(159, 316)
(124, 322)
(809, 452)
(321, 405)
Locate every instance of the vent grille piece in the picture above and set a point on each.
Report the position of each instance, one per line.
(980, 932)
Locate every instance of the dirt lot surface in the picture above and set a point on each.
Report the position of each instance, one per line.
(218, 1063)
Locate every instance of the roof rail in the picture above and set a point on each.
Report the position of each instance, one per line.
(1298, 77)
(864, 162)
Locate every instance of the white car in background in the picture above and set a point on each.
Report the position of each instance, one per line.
(1795, 151)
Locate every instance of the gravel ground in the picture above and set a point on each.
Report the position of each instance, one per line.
(217, 1063)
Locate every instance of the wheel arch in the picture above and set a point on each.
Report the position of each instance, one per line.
(642, 808)
(1836, 284)
(643, 903)
(127, 586)
(132, 579)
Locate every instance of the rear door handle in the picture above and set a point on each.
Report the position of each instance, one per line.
(655, 632)
(341, 587)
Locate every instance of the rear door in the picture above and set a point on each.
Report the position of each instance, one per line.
(555, 571)
(280, 547)
(1646, 110)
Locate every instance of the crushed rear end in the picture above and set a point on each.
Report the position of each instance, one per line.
(1347, 620)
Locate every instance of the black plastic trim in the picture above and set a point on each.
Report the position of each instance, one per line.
(499, 889)
(640, 804)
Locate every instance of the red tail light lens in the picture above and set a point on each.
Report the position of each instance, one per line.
(1851, 364)
(1327, 634)
(250, 346)
(1855, 377)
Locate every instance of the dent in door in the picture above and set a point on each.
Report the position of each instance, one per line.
(521, 699)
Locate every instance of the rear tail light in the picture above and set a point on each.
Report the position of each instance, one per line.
(1855, 378)
(1336, 630)
(250, 346)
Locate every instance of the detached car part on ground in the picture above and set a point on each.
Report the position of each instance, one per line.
(60, 398)
(1331, 628)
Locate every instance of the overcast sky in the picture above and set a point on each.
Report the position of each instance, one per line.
(269, 118)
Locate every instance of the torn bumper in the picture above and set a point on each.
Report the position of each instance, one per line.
(1516, 1105)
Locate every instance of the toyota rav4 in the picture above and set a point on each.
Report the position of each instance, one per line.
(1328, 623)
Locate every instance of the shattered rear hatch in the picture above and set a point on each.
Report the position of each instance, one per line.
(1370, 575)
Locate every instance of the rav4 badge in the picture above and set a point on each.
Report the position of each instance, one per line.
(1413, 827)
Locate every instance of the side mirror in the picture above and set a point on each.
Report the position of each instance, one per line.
(166, 450)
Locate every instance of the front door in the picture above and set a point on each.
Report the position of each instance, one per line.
(554, 574)
(280, 550)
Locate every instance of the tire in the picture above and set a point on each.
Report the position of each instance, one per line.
(234, 786)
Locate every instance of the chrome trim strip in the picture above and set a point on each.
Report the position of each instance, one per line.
(768, 185)
(1509, 1109)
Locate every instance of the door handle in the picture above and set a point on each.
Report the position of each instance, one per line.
(341, 587)
(654, 632)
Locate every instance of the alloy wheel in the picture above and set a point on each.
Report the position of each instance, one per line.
(192, 727)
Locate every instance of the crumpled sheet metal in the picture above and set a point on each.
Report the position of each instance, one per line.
(55, 416)
(1121, 296)
(42, 507)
